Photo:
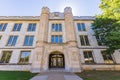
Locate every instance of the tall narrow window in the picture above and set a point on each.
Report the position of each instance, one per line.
(3, 26)
(81, 26)
(88, 57)
(100, 40)
(53, 27)
(107, 58)
(28, 41)
(12, 40)
(56, 39)
(60, 27)
(17, 27)
(84, 40)
(57, 27)
(24, 57)
(31, 27)
(6, 55)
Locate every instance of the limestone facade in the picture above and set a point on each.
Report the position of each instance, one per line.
(71, 48)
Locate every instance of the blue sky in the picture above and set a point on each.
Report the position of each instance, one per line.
(33, 7)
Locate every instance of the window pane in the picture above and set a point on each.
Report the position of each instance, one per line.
(79, 27)
(26, 40)
(53, 27)
(31, 40)
(19, 27)
(0, 27)
(52, 39)
(4, 27)
(14, 40)
(83, 26)
(29, 27)
(15, 27)
(6, 56)
(60, 27)
(82, 40)
(24, 58)
(10, 41)
(60, 39)
(56, 28)
(88, 57)
(107, 58)
(56, 39)
(34, 27)
(86, 40)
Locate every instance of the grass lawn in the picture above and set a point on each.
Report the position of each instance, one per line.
(100, 75)
(15, 75)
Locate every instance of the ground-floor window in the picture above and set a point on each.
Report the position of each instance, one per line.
(24, 57)
(6, 55)
(88, 57)
(108, 58)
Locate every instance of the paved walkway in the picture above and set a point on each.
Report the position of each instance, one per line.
(56, 76)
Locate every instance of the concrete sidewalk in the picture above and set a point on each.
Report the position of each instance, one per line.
(56, 76)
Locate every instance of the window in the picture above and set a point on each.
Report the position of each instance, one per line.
(28, 41)
(6, 55)
(31, 27)
(56, 39)
(17, 27)
(100, 40)
(88, 57)
(24, 57)
(107, 58)
(84, 40)
(3, 26)
(12, 40)
(81, 26)
(57, 27)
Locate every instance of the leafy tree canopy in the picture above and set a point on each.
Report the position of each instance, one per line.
(107, 24)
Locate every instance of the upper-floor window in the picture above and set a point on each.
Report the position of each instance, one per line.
(3, 26)
(56, 39)
(100, 40)
(81, 26)
(17, 27)
(12, 41)
(108, 59)
(31, 27)
(6, 55)
(88, 57)
(57, 27)
(84, 40)
(28, 41)
(24, 57)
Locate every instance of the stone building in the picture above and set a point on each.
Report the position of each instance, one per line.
(53, 40)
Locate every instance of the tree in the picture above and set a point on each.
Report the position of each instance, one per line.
(107, 24)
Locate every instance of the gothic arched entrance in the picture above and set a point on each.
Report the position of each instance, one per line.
(56, 60)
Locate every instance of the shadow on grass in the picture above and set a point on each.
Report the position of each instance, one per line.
(100, 75)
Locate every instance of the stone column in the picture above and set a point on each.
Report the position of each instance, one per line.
(73, 52)
(43, 28)
(117, 56)
(69, 26)
(42, 37)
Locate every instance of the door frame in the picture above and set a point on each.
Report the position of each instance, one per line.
(56, 53)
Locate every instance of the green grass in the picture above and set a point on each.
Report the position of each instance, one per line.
(15, 75)
(100, 75)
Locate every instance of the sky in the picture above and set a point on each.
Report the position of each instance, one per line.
(33, 7)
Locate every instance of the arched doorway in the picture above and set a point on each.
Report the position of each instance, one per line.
(56, 60)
